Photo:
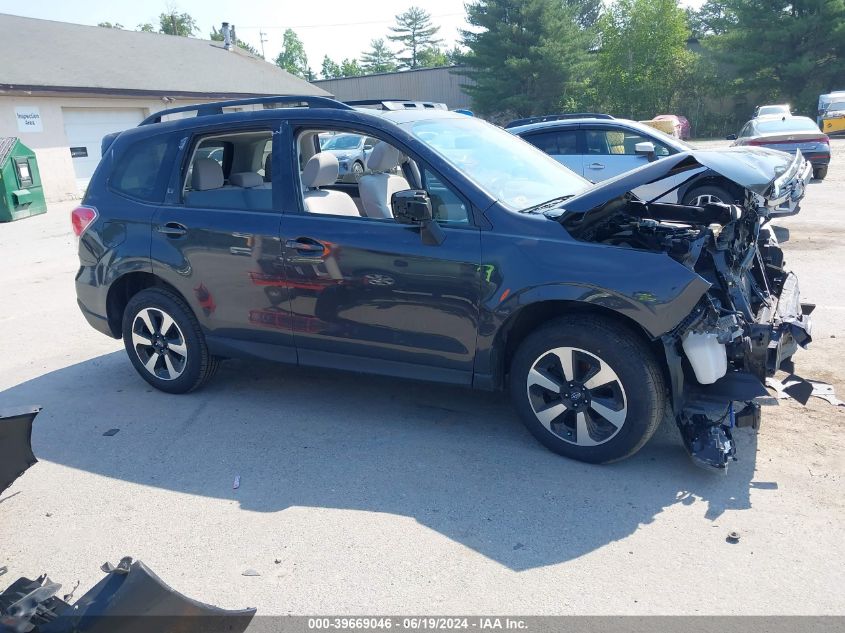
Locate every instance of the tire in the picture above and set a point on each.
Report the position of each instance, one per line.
(819, 173)
(708, 193)
(357, 170)
(634, 398)
(165, 343)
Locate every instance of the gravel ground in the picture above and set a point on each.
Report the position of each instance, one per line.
(373, 495)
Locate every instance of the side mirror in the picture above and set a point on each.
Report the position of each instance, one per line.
(645, 148)
(730, 137)
(411, 206)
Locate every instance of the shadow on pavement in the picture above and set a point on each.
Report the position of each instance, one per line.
(455, 460)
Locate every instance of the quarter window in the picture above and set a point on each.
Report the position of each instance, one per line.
(138, 169)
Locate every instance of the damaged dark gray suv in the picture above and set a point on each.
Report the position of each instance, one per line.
(464, 255)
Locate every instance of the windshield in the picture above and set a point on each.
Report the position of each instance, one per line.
(516, 173)
(837, 105)
(343, 141)
(787, 125)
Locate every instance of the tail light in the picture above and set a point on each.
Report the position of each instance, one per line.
(81, 218)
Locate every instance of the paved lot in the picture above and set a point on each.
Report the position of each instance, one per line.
(374, 495)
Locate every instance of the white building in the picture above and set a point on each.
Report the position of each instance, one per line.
(65, 86)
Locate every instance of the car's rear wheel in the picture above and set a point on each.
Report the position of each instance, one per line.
(707, 194)
(588, 388)
(819, 173)
(165, 343)
(357, 170)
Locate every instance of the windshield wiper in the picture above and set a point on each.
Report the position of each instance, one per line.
(548, 204)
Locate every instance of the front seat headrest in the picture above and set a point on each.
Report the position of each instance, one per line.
(207, 174)
(384, 157)
(320, 170)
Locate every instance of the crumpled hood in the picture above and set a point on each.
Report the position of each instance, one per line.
(771, 174)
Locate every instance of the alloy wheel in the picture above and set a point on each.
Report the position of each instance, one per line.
(159, 344)
(357, 170)
(700, 201)
(577, 396)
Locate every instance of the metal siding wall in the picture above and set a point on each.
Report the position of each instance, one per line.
(430, 84)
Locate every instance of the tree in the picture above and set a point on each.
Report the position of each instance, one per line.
(217, 36)
(379, 59)
(640, 67)
(146, 28)
(173, 23)
(330, 68)
(293, 58)
(414, 32)
(586, 12)
(786, 50)
(432, 57)
(350, 68)
(110, 25)
(525, 56)
(455, 56)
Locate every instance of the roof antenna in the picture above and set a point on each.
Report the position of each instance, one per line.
(227, 36)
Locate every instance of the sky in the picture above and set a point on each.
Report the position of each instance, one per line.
(337, 28)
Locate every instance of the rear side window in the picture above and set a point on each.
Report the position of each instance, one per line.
(138, 170)
(562, 143)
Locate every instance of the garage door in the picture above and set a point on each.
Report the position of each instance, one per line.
(86, 127)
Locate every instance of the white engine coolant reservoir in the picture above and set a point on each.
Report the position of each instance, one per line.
(706, 355)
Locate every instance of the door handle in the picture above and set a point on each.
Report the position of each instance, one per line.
(595, 166)
(172, 229)
(305, 245)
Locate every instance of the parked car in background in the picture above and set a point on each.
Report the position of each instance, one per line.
(824, 102)
(833, 119)
(788, 134)
(782, 109)
(599, 149)
(352, 152)
(467, 256)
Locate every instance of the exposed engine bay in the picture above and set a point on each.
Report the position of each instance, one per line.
(742, 329)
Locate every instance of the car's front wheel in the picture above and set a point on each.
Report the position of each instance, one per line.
(357, 170)
(588, 388)
(165, 343)
(701, 196)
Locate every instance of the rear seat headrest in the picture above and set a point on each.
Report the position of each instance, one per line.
(207, 174)
(245, 179)
(320, 170)
(384, 157)
(268, 168)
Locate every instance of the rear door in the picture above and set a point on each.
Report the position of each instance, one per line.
(218, 243)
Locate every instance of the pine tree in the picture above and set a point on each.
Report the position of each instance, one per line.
(379, 59)
(525, 56)
(414, 32)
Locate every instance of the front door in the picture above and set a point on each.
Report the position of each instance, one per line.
(366, 293)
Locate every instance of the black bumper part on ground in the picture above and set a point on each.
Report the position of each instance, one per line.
(130, 599)
(16, 443)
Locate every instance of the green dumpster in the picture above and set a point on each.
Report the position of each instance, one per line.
(21, 194)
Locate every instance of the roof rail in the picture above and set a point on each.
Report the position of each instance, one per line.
(398, 104)
(216, 107)
(557, 117)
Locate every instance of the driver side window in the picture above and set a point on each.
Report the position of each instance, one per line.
(446, 206)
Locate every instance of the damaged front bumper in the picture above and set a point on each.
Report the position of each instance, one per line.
(706, 414)
(129, 599)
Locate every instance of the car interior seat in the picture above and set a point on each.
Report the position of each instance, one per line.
(376, 188)
(208, 187)
(322, 170)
